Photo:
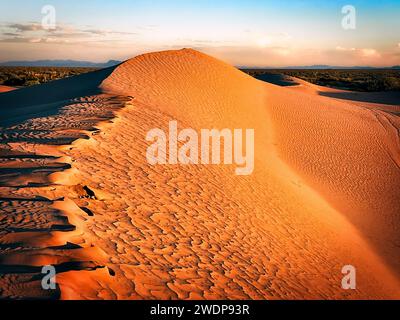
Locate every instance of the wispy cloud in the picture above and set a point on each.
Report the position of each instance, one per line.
(35, 33)
(362, 52)
(11, 34)
(280, 39)
(339, 48)
(106, 32)
(19, 27)
(369, 53)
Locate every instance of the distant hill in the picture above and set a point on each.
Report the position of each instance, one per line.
(60, 63)
(321, 67)
(110, 63)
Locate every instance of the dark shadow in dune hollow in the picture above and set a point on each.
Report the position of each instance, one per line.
(46, 99)
(389, 97)
(277, 79)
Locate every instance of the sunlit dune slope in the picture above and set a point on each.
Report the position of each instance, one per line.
(322, 194)
(355, 151)
(6, 88)
(350, 154)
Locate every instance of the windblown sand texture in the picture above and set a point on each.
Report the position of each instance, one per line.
(77, 192)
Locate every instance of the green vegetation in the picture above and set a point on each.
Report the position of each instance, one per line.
(29, 76)
(367, 80)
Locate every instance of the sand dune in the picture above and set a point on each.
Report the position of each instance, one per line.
(77, 192)
(6, 88)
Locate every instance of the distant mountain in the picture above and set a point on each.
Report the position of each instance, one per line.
(322, 66)
(319, 67)
(332, 67)
(110, 63)
(60, 63)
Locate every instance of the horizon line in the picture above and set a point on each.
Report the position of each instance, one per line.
(8, 63)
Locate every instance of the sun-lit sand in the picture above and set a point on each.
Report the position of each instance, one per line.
(77, 192)
(6, 88)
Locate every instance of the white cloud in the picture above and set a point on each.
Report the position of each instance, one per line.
(369, 53)
(281, 51)
(264, 42)
(339, 48)
(35, 40)
(273, 39)
(361, 52)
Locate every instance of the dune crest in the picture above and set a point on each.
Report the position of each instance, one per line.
(130, 230)
(6, 88)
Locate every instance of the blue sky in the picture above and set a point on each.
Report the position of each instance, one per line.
(254, 33)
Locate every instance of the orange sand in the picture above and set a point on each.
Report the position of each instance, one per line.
(5, 88)
(76, 190)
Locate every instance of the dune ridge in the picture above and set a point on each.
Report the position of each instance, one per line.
(128, 230)
(6, 88)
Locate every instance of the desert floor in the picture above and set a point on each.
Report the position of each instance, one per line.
(77, 192)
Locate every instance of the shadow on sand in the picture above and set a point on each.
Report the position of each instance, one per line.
(22, 104)
(390, 97)
(277, 79)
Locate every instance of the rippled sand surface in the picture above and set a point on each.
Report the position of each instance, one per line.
(76, 190)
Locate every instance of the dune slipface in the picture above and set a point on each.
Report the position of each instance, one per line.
(77, 191)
